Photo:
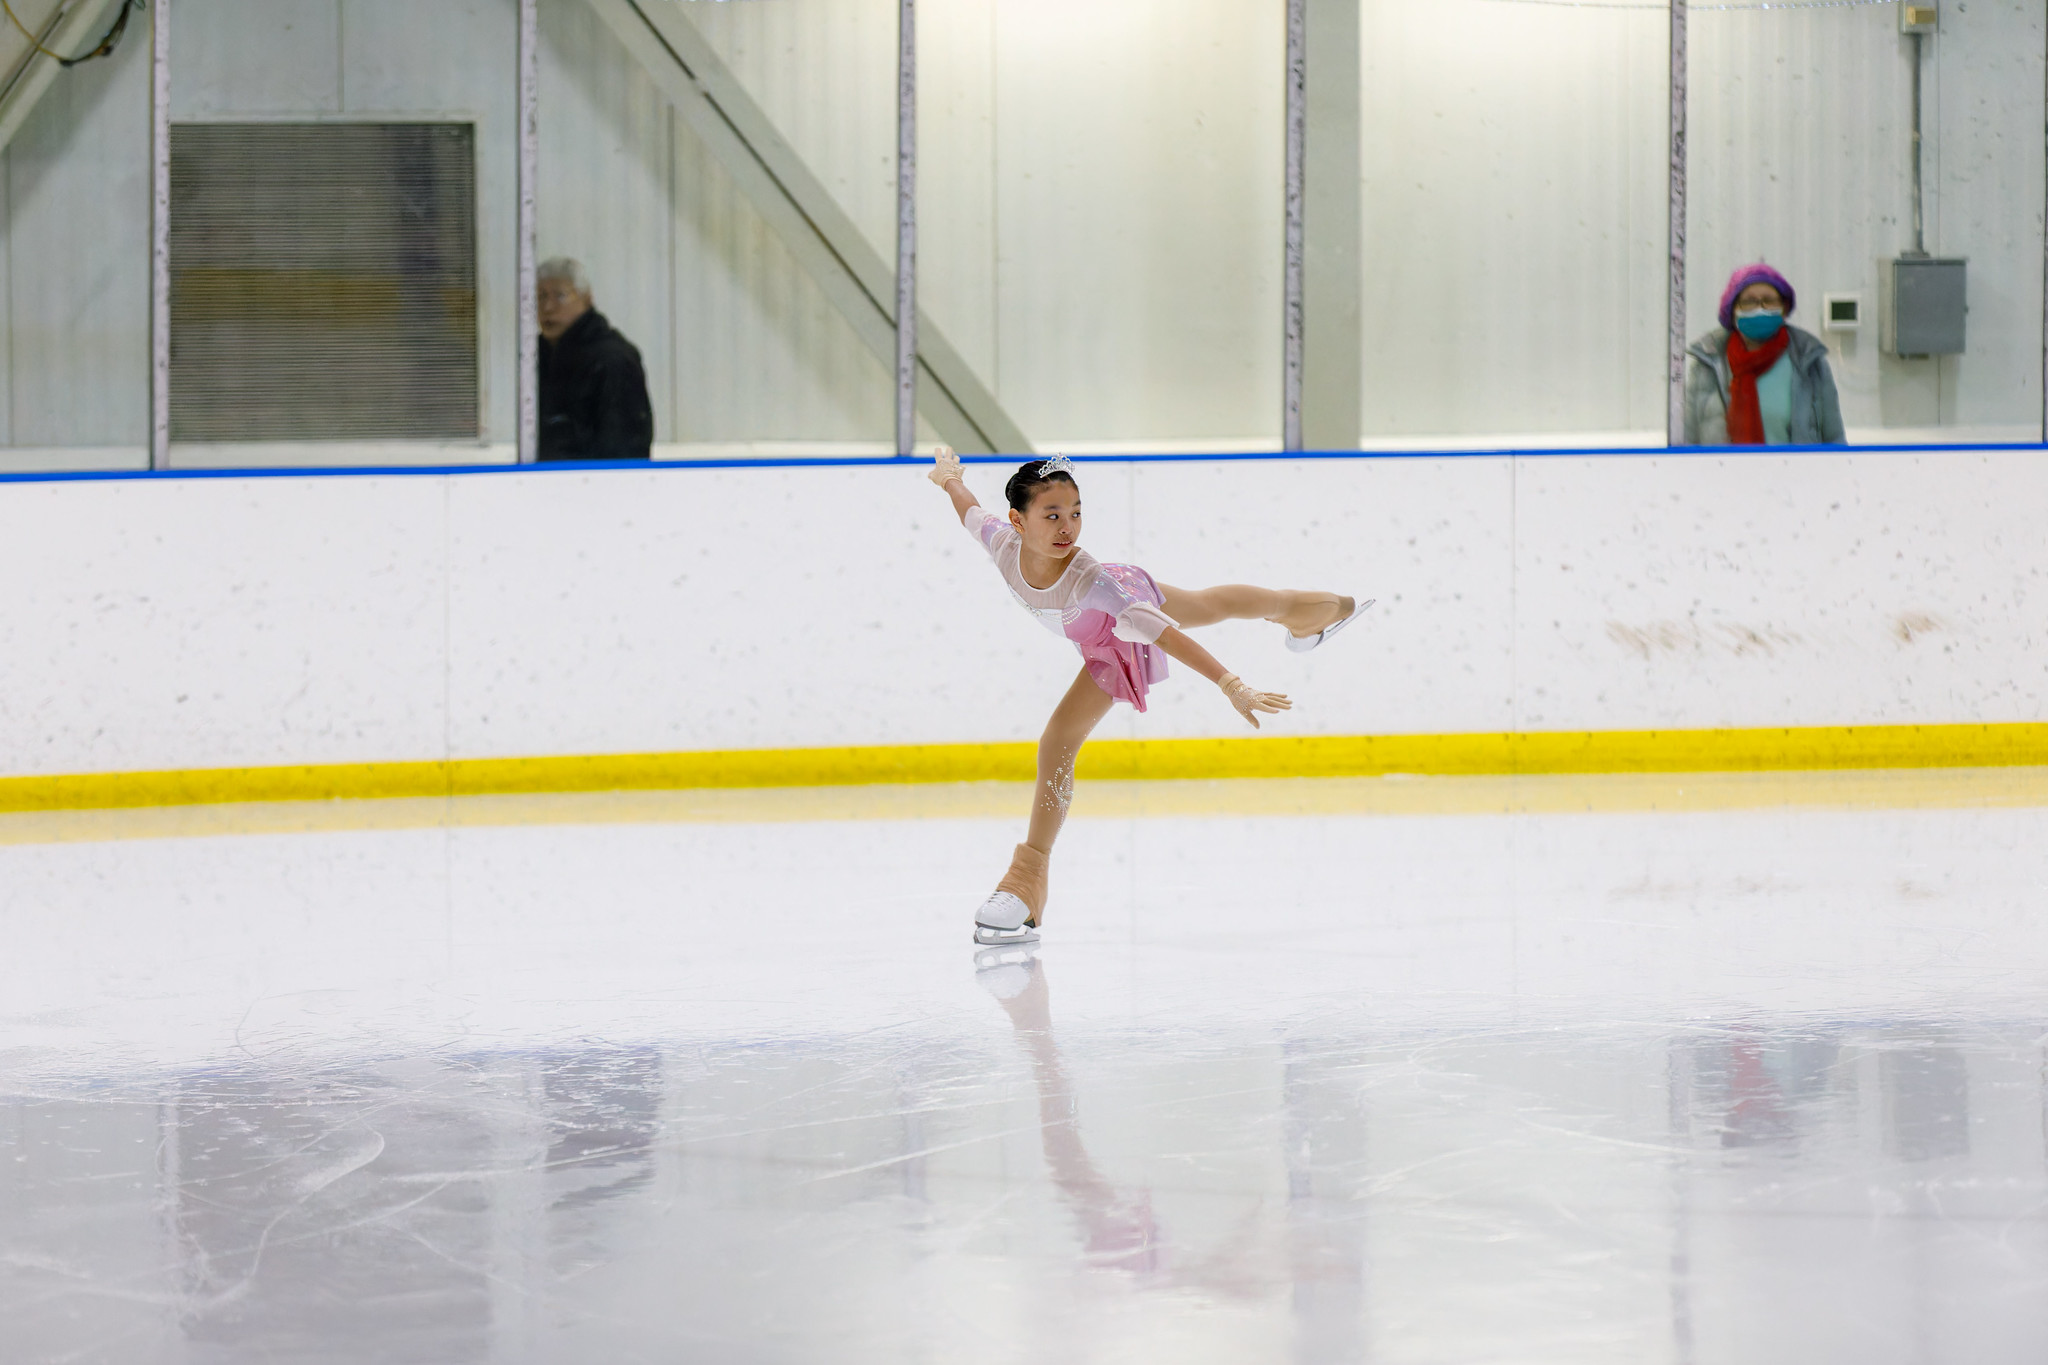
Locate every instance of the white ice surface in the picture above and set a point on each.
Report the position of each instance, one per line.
(1721, 1085)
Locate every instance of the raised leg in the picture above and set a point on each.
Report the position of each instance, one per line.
(1302, 613)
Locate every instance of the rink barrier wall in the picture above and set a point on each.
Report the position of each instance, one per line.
(235, 635)
(1526, 754)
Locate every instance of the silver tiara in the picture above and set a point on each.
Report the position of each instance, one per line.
(1058, 464)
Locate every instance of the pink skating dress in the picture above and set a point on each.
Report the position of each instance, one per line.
(1110, 611)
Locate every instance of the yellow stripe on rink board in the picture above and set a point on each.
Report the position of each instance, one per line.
(1600, 751)
(1595, 751)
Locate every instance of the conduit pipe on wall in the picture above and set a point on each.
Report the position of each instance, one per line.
(1919, 184)
(64, 31)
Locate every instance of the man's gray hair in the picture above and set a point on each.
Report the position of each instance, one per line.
(564, 268)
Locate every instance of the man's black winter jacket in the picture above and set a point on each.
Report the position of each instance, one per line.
(593, 395)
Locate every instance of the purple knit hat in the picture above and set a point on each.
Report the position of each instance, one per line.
(1743, 279)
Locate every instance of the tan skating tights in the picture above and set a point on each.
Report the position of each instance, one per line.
(1073, 720)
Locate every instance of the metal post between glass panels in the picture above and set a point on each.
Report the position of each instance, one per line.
(1293, 235)
(906, 226)
(528, 349)
(160, 235)
(1674, 376)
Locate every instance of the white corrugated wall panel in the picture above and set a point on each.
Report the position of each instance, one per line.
(608, 173)
(1139, 148)
(1514, 245)
(765, 355)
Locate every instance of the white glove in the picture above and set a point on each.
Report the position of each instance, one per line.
(945, 467)
(1249, 702)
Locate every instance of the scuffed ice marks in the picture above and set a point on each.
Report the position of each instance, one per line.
(308, 1216)
(1335, 1188)
(292, 1213)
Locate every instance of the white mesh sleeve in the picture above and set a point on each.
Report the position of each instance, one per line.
(1141, 623)
(986, 527)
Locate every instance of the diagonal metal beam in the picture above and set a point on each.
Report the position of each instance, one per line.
(66, 30)
(807, 218)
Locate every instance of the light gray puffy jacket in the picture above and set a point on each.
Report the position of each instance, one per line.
(1816, 411)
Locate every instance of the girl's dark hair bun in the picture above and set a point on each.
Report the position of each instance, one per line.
(1033, 475)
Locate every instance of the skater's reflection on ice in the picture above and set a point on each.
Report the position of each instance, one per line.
(1119, 1230)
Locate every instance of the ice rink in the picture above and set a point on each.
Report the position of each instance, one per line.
(1741, 1068)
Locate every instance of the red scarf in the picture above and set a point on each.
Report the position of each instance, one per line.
(1745, 417)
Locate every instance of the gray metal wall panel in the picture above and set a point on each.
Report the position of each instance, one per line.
(1989, 186)
(244, 57)
(1332, 413)
(78, 258)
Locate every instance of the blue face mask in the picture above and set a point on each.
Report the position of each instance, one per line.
(1759, 326)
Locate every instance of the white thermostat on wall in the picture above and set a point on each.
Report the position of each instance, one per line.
(1841, 312)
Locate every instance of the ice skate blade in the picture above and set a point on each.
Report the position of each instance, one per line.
(1303, 644)
(988, 936)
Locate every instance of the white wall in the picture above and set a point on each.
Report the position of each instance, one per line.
(169, 623)
(1514, 217)
(1101, 205)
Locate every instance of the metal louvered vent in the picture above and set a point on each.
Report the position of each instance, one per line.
(323, 281)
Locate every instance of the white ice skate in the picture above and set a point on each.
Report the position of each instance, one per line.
(1302, 644)
(1001, 922)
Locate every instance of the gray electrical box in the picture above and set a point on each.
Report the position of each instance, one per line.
(1926, 303)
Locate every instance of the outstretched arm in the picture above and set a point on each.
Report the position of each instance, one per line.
(1179, 645)
(946, 474)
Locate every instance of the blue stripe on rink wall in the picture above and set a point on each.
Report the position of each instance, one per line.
(916, 461)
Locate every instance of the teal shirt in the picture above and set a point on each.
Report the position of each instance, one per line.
(1774, 401)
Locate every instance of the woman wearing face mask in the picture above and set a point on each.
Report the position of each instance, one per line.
(1756, 379)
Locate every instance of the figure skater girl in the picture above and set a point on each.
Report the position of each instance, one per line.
(1122, 621)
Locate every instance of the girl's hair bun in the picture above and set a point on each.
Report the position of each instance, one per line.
(1033, 475)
